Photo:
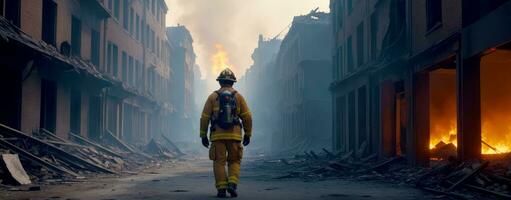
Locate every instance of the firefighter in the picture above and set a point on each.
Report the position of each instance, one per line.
(226, 113)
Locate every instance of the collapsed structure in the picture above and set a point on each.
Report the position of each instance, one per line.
(83, 82)
(411, 76)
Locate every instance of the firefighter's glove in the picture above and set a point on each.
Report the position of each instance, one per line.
(205, 142)
(246, 141)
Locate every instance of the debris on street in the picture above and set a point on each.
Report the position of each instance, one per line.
(451, 178)
(45, 157)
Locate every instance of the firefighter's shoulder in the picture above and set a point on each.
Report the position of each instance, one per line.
(213, 96)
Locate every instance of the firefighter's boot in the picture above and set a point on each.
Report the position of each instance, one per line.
(221, 193)
(231, 188)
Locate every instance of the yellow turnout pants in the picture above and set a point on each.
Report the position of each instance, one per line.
(222, 152)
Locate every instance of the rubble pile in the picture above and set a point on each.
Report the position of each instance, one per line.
(157, 149)
(450, 178)
(46, 157)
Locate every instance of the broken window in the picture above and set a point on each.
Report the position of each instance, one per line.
(76, 36)
(49, 22)
(434, 13)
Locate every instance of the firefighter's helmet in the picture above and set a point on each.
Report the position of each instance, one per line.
(226, 75)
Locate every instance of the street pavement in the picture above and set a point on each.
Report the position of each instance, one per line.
(191, 179)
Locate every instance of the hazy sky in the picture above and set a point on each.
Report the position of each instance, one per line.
(235, 25)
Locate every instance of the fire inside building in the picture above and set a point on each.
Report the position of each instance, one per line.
(354, 99)
(422, 79)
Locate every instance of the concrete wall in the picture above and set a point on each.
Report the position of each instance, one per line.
(423, 38)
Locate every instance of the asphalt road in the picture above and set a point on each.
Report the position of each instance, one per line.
(193, 179)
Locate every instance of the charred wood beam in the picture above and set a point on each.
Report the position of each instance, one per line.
(368, 158)
(314, 155)
(489, 146)
(51, 135)
(328, 153)
(436, 170)
(172, 144)
(95, 145)
(53, 150)
(346, 156)
(65, 144)
(35, 159)
(480, 189)
(119, 143)
(387, 163)
(469, 175)
(307, 154)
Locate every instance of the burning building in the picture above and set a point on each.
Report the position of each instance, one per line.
(435, 74)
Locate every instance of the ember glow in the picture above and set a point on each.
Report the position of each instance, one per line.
(219, 60)
(495, 105)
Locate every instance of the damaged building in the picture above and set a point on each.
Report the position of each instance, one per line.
(298, 104)
(255, 83)
(183, 84)
(98, 69)
(421, 79)
(77, 73)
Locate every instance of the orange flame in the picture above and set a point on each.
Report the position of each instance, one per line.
(495, 104)
(498, 144)
(219, 60)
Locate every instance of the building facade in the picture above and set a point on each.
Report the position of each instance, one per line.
(303, 73)
(77, 69)
(183, 80)
(409, 84)
(255, 86)
(137, 55)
